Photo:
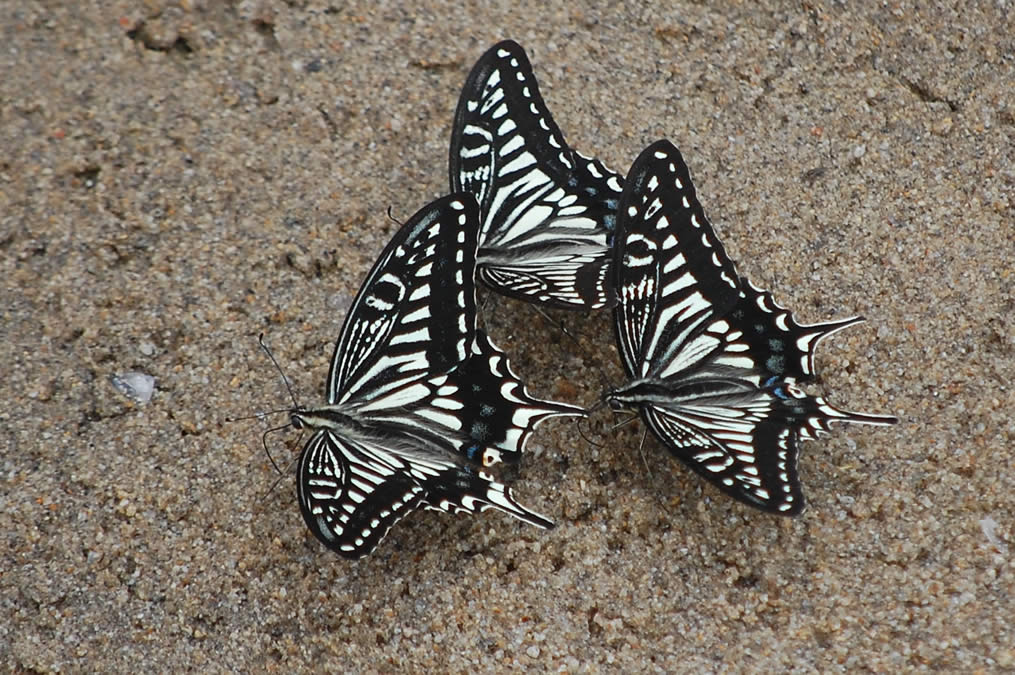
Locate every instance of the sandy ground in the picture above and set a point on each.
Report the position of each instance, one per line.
(177, 178)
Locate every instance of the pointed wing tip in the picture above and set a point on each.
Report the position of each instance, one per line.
(568, 410)
(663, 145)
(493, 54)
(507, 43)
(663, 149)
(551, 409)
(511, 506)
(535, 519)
(834, 414)
(873, 420)
(830, 327)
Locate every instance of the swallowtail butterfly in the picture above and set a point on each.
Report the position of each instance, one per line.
(713, 361)
(547, 211)
(420, 403)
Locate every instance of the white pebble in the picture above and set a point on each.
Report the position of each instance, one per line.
(138, 387)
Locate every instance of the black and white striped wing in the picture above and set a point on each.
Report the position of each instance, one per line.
(547, 211)
(479, 414)
(713, 360)
(479, 410)
(353, 490)
(415, 313)
(745, 441)
(672, 274)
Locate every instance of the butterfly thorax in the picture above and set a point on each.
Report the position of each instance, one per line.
(675, 393)
(328, 417)
(392, 431)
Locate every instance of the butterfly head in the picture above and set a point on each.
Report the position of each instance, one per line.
(297, 419)
(611, 399)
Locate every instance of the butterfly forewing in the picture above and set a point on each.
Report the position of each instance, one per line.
(414, 313)
(547, 211)
(671, 272)
(713, 360)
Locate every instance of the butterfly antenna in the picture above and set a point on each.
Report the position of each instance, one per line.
(641, 451)
(578, 425)
(274, 485)
(393, 219)
(624, 423)
(281, 474)
(663, 504)
(260, 340)
(258, 415)
(481, 311)
(588, 413)
(264, 442)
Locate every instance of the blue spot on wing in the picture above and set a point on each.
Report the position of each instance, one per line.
(474, 452)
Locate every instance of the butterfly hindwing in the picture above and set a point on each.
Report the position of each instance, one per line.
(744, 444)
(350, 493)
(500, 412)
(547, 211)
(497, 415)
(713, 360)
(466, 489)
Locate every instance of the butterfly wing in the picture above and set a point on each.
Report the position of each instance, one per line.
(671, 272)
(351, 492)
(547, 211)
(415, 313)
(744, 450)
(464, 489)
(713, 359)
(467, 420)
(481, 409)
